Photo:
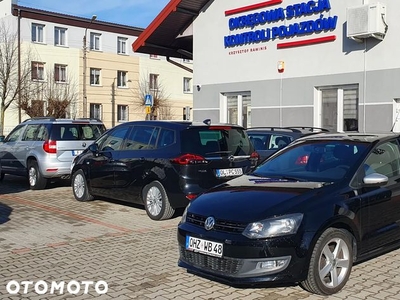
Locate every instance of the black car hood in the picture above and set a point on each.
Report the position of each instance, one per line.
(250, 198)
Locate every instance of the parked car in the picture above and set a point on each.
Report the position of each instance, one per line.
(161, 164)
(305, 215)
(43, 148)
(268, 140)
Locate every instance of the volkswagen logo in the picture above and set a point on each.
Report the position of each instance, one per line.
(209, 223)
(231, 158)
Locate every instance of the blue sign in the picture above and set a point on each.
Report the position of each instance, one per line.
(148, 100)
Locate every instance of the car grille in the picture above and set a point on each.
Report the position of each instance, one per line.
(220, 225)
(221, 265)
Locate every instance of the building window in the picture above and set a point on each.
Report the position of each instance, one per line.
(188, 61)
(153, 56)
(37, 71)
(95, 76)
(122, 111)
(60, 73)
(339, 108)
(95, 41)
(153, 81)
(121, 79)
(60, 36)
(237, 109)
(187, 85)
(95, 111)
(37, 33)
(121, 46)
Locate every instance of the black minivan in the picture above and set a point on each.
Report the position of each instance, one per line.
(162, 164)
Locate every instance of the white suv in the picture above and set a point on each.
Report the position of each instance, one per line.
(43, 148)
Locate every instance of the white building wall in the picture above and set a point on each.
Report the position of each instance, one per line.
(288, 98)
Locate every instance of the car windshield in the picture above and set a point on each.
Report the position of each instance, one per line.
(321, 161)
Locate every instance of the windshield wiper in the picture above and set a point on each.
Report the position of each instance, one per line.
(277, 178)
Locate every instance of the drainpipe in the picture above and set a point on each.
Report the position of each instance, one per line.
(19, 67)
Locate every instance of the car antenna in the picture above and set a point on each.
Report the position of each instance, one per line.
(207, 122)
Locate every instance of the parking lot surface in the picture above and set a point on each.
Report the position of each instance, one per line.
(46, 236)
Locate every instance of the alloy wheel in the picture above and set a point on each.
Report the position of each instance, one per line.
(154, 201)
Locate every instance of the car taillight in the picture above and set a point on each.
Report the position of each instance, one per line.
(254, 156)
(50, 146)
(189, 159)
(190, 197)
(302, 160)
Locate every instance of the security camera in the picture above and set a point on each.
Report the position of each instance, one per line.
(198, 87)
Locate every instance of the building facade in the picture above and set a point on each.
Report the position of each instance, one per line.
(322, 63)
(96, 60)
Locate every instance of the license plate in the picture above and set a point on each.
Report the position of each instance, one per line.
(229, 172)
(204, 246)
(76, 152)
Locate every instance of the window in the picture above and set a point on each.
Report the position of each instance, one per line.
(123, 113)
(185, 60)
(60, 36)
(153, 56)
(384, 160)
(187, 85)
(14, 135)
(37, 71)
(121, 79)
(95, 76)
(153, 81)
(60, 73)
(113, 140)
(95, 111)
(141, 138)
(37, 33)
(121, 46)
(95, 41)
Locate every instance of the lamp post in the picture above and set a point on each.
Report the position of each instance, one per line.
(85, 66)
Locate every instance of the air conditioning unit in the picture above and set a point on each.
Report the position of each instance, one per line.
(366, 21)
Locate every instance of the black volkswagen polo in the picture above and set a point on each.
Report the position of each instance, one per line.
(304, 216)
(161, 164)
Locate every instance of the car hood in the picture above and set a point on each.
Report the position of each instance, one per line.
(250, 198)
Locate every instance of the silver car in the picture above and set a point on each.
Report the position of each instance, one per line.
(43, 148)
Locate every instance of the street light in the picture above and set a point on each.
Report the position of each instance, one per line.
(84, 67)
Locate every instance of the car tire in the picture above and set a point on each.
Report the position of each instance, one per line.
(156, 202)
(331, 262)
(80, 187)
(36, 179)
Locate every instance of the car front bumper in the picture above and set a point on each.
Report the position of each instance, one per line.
(245, 261)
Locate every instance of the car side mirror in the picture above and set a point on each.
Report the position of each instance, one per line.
(94, 148)
(375, 179)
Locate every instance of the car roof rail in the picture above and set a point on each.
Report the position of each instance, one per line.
(40, 118)
(87, 119)
(276, 128)
(309, 128)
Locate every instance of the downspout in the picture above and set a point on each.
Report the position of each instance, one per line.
(19, 67)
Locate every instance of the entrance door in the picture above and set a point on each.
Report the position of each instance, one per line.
(338, 108)
(396, 115)
(237, 109)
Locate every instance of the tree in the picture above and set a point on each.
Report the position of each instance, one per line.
(150, 85)
(58, 95)
(11, 82)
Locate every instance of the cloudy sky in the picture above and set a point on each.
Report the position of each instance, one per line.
(137, 13)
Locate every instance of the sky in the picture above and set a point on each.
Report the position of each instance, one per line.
(137, 13)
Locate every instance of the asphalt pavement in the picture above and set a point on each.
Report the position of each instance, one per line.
(54, 247)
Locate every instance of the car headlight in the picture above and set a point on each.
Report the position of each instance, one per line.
(283, 225)
(183, 220)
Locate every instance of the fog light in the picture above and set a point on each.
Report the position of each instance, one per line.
(274, 264)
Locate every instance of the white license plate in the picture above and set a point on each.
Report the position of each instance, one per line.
(229, 172)
(76, 152)
(204, 246)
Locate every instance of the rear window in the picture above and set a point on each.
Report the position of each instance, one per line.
(269, 141)
(71, 132)
(216, 141)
